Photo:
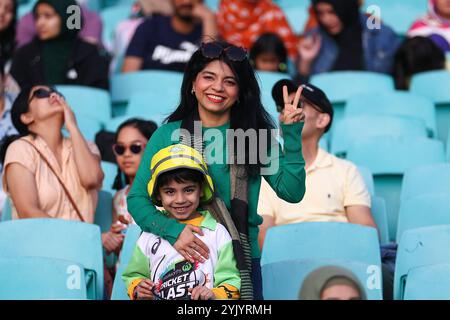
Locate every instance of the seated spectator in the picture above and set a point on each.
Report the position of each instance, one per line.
(150, 7)
(130, 141)
(8, 16)
(342, 41)
(6, 100)
(418, 54)
(241, 22)
(45, 174)
(168, 42)
(435, 25)
(332, 283)
(91, 30)
(269, 54)
(57, 55)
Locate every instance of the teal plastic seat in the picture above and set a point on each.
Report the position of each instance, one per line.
(434, 85)
(428, 283)
(351, 129)
(151, 106)
(417, 248)
(7, 210)
(87, 101)
(103, 213)
(427, 179)
(368, 179)
(39, 278)
(110, 171)
(165, 83)
(119, 291)
(395, 103)
(88, 126)
(283, 280)
(423, 211)
(56, 238)
(111, 17)
(339, 86)
(379, 214)
(388, 158)
(321, 240)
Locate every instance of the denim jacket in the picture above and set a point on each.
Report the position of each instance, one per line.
(379, 46)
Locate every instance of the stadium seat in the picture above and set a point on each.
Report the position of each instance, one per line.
(368, 179)
(103, 213)
(350, 130)
(388, 158)
(87, 101)
(339, 86)
(296, 13)
(398, 14)
(110, 171)
(417, 248)
(39, 278)
(6, 211)
(57, 238)
(165, 83)
(428, 283)
(88, 126)
(397, 103)
(321, 240)
(119, 290)
(151, 106)
(283, 280)
(111, 17)
(212, 4)
(423, 211)
(434, 85)
(427, 179)
(379, 214)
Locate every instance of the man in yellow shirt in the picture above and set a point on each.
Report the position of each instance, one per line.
(335, 190)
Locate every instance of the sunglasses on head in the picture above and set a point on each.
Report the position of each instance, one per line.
(42, 93)
(135, 148)
(212, 50)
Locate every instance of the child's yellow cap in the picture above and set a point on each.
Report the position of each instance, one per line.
(175, 157)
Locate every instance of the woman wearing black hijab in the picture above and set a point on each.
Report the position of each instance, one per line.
(346, 40)
(57, 55)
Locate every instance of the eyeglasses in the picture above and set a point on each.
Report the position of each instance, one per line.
(42, 93)
(135, 148)
(213, 50)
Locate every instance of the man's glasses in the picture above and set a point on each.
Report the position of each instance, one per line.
(135, 148)
(213, 50)
(42, 93)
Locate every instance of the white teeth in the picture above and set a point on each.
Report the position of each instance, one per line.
(215, 97)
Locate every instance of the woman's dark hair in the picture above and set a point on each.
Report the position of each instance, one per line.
(247, 113)
(19, 107)
(416, 55)
(8, 36)
(146, 128)
(270, 43)
(181, 175)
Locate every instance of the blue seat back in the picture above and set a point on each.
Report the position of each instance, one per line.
(111, 17)
(110, 171)
(420, 247)
(38, 278)
(119, 290)
(56, 238)
(88, 126)
(423, 211)
(87, 101)
(103, 213)
(379, 214)
(151, 106)
(283, 280)
(428, 283)
(399, 103)
(321, 240)
(368, 179)
(7, 210)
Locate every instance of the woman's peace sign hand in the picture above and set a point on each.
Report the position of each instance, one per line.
(291, 112)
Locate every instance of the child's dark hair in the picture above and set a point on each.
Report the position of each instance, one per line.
(179, 175)
(270, 43)
(146, 128)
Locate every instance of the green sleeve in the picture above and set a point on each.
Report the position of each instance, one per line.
(226, 271)
(289, 180)
(138, 268)
(139, 203)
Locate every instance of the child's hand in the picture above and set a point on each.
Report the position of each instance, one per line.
(201, 293)
(143, 290)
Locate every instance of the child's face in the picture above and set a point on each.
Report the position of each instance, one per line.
(267, 62)
(181, 200)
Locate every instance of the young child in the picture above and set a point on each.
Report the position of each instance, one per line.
(269, 53)
(180, 183)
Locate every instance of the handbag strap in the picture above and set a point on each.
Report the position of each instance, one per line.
(72, 201)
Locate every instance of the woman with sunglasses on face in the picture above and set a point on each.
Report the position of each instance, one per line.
(45, 174)
(130, 140)
(219, 89)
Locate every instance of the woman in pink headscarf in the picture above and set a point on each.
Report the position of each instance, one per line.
(435, 25)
